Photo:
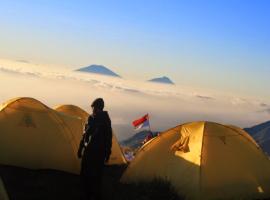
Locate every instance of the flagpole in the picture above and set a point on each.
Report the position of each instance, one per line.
(149, 124)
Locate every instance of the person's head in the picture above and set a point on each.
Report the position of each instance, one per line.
(97, 105)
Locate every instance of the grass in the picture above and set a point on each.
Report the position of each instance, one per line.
(157, 189)
(22, 184)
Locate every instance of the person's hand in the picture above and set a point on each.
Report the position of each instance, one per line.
(79, 153)
(107, 158)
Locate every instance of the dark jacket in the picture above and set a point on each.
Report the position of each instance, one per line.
(98, 137)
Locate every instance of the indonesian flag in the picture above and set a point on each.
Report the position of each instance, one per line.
(142, 122)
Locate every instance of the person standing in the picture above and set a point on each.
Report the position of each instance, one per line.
(95, 150)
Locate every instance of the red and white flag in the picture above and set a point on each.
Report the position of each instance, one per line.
(141, 122)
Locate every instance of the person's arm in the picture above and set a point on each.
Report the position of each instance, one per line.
(89, 129)
(108, 140)
(81, 147)
(85, 137)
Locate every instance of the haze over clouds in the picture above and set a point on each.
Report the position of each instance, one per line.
(222, 45)
(128, 99)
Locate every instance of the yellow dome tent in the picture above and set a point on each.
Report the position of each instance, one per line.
(34, 136)
(204, 160)
(73, 110)
(117, 157)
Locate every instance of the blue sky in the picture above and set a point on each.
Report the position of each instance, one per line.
(224, 45)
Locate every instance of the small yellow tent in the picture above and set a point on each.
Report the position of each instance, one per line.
(73, 110)
(34, 136)
(117, 157)
(204, 160)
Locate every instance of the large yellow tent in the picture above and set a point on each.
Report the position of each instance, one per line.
(117, 157)
(204, 160)
(34, 136)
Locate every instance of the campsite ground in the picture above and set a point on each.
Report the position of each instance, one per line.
(22, 184)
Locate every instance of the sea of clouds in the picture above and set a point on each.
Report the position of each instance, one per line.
(126, 100)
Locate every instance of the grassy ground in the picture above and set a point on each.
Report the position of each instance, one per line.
(25, 184)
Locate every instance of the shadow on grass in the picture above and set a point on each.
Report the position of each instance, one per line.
(22, 184)
(157, 190)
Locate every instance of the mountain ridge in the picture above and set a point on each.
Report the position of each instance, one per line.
(256, 128)
(261, 134)
(136, 140)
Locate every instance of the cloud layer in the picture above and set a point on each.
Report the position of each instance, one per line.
(128, 99)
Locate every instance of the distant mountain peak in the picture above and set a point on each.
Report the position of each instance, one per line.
(136, 140)
(261, 134)
(257, 128)
(163, 79)
(98, 69)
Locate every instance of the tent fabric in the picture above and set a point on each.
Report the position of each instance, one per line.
(3, 192)
(73, 110)
(34, 136)
(117, 156)
(204, 160)
(246, 135)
